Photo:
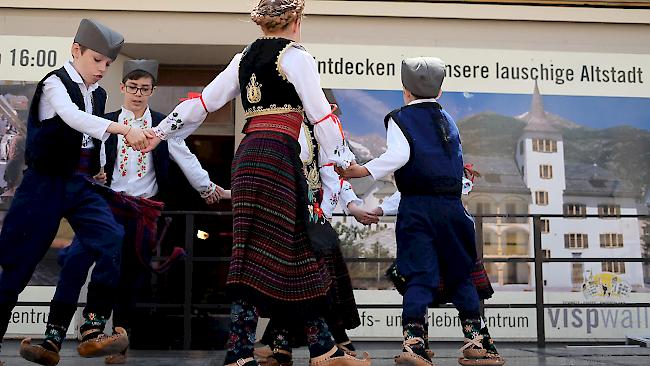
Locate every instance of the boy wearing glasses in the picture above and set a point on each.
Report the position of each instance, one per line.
(136, 174)
(146, 174)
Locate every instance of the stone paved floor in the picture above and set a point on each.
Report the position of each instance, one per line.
(517, 354)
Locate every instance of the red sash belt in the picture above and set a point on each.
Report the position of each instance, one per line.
(287, 123)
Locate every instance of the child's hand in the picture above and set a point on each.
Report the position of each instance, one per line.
(353, 171)
(212, 198)
(136, 138)
(101, 177)
(227, 194)
(363, 216)
(153, 142)
(377, 211)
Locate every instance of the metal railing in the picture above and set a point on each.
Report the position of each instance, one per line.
(538, 259)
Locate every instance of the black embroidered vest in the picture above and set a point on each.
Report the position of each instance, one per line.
(264, 87)
(53, 147)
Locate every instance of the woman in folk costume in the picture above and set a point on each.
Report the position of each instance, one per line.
(273, 270)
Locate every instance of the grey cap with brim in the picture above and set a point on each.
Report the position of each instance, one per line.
(148, 66)
(99, 38)
(423, 76)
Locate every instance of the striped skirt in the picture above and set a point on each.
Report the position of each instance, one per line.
(343, 313)
(273, 265)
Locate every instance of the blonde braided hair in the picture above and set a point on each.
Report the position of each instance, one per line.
(275, 15)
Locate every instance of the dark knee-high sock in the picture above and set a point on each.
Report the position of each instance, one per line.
(488, 342)
(243, 323)
(93, 326)
(340, 336)
(99, 306)
(414, 336)
(280, 342)
(57, 325)
(319, 338)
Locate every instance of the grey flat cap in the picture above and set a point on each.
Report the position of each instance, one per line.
(148, 66)
(423, 76)
(99, 38)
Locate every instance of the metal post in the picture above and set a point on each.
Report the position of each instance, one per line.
(539, 281)
(478, 223)
(189, 266)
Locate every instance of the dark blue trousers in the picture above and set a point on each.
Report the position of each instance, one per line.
(435, 239)
(76, 261)
(31, 225)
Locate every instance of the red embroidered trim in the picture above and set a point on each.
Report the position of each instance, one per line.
(203, 103)
(194, 95)
(334, 118)
(289, 123)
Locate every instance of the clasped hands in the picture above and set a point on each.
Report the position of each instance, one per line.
(141, 139)
(353, 171)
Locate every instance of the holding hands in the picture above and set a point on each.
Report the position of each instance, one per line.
(217, 194)
(378, 211)
(362, 215)
(153, 140)
(353, 171)
(137, 138)
(144, 140)
(101, 177)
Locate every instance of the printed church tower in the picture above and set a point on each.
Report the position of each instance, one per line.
(540, 159)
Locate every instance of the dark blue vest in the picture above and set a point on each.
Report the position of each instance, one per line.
(53, 147)
(435, 166)
(161, 158)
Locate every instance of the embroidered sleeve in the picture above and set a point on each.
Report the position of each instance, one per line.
(331, 189)
(301, 71)
(208, 191)
(191, 167)
(189, 115)
(348, 196)
(467, 186)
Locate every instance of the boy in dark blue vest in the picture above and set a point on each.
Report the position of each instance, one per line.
(136, 174)
(435, 235)
(64, 127)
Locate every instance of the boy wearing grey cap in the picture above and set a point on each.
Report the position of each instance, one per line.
(64, 127)
(435, 235)
(136, 174)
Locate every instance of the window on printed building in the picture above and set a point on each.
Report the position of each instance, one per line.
(611, 240)
(546, 253)
(609, 210)
(576, 241)
(577, 276)
(575, 209)
(541, 198)
(614, 267)
(516, 273)
(521, 147)
(546, 171)
(545, 145)
(546, 226)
